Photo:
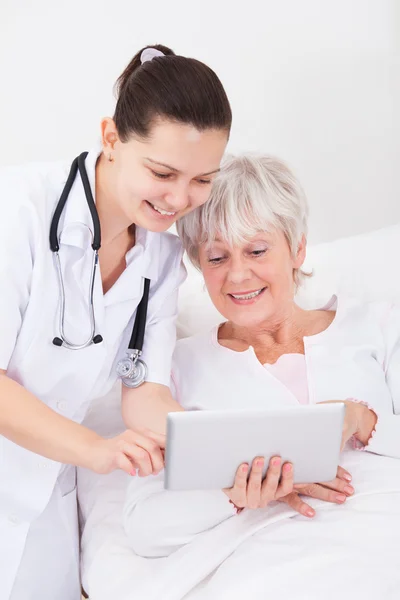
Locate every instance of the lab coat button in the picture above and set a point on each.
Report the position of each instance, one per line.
(62, 405)
(14, 520)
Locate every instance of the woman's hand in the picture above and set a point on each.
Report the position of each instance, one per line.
(359, 421)
(130, 451)
(336, 491)
(253, 491)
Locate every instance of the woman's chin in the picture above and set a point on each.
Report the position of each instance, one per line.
(244, 318)
(153, 225)
(250, 315)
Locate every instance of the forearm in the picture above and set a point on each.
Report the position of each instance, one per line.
(28, 422)
(147, 407)
(385, 439)
(159, 522)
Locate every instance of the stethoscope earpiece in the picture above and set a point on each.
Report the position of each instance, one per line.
(96, 340)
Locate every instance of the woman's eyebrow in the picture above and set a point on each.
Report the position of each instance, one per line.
(160, 164)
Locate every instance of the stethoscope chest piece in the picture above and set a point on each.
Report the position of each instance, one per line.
(132, 370)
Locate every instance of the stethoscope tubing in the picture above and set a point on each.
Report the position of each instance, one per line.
(133, 367)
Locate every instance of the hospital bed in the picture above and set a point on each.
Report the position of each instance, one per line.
(365, 266)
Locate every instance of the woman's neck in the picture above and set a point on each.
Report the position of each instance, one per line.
(113, 221)
(277, 335)
(280, 330)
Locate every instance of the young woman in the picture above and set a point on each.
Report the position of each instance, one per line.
(81, 248)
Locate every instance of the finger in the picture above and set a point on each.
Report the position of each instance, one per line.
(238, 492)
(254, 483)
(285, 486)
(123, 463)
(315, 490)
(340, 486)
(139, 457)
(271, 481)
(294, 501)
(159, 438)
(153, 450)
(343, 474)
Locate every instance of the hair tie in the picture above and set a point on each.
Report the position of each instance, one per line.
(149, 54)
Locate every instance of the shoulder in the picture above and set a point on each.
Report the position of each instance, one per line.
(167, 268)
(369, 321)
(197, 346)
(32, 188)
(171, 250)
(354, 309)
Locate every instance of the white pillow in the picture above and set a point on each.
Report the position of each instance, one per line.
(365, 266)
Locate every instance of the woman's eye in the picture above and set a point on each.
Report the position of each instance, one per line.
(258, 252)
(216, 260)
(161, 175)
(204, 181)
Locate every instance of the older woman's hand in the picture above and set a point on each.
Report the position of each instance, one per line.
(252, 491)
(359, 421)
(336, 491)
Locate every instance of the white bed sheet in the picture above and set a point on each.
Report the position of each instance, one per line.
(348, 552)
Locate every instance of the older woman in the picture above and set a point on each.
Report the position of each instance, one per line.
(250, 243)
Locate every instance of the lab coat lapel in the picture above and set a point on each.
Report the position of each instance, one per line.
(141, 262)
(122, 300)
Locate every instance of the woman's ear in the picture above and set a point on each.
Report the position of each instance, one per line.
(301, 253)
(109, 135)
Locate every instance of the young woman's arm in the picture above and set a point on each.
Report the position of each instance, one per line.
(24, 419)
(147, 406)
(30, 423)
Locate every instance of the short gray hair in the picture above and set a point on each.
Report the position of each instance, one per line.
(252, 193)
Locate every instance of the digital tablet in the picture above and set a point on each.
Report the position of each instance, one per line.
(205, 447)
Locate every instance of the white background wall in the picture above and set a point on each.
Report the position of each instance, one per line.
(314, 81)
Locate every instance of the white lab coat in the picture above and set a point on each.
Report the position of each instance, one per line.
(38, 524)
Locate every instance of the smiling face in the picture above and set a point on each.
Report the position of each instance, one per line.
(252, 282)
(158, 180)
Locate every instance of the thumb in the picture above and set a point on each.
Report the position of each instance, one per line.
(159, 438)
(296, 503)
(123, 463)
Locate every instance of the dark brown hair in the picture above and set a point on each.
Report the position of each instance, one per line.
(174, 87)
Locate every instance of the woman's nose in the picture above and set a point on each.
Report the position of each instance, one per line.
(239, 272)
(178, 199)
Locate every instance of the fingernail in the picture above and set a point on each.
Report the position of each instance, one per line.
(287, 467)
(133, 472)
(244, 468)
(340, 497)
(349, 489)
(260, 463)
(347, 476)
(276, 462)
(310, 512)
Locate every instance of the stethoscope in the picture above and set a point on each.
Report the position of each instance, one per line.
(132, 370)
